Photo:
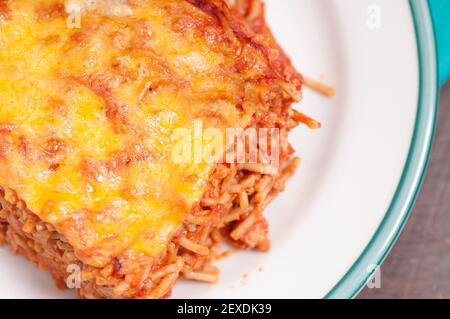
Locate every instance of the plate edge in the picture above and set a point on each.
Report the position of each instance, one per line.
(414, 170)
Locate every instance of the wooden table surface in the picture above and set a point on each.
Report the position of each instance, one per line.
(419, 264)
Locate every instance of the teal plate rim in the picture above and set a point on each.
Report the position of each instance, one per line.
(413, 173)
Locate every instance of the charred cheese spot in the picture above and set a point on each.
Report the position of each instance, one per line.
(114, 110)
(23, 146)
(4, 10)
(48, 12)
(6, 139)
(55, 150)
(58, 106)
(51, 39)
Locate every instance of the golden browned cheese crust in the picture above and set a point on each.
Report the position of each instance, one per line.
(87, 113)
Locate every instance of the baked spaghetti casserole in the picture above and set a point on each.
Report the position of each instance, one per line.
(91, 94)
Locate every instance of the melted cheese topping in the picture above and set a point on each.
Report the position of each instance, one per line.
(103, 7)
(87, 115)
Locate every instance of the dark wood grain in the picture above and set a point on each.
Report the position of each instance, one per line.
(419, 264)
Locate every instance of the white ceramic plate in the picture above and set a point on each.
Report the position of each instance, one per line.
(360, 173)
